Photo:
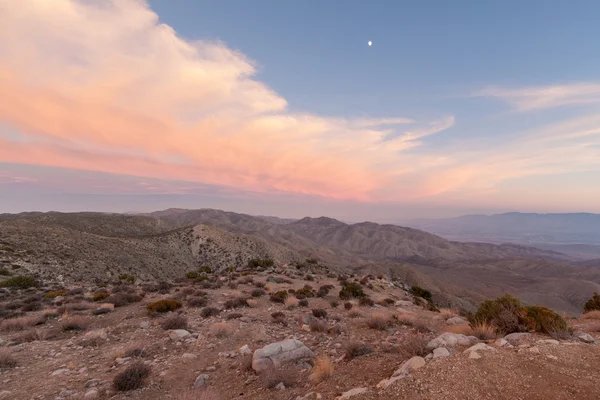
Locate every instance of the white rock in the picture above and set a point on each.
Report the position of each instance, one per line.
(277, 353)
(99, 334)
(91, 394)
(245, 350)
(178, 334)
(350, 393)
(474, 355)
(534, 350)
(500, 342)
(200, 381)
(61, 371)
(456, 321)
(548, 341)
(189, 355)
(409, 366)
(122, 360)
(145, 324)
(387, 382)
(585, 337)
(448, 339)
(441, 352)
(513, 338)
(280, 386)
(479, 346)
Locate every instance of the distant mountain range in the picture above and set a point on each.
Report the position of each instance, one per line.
(525, 228)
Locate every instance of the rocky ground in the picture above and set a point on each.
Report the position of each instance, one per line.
(65, 345)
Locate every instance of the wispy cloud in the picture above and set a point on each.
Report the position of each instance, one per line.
(545, 97)
(105, 86)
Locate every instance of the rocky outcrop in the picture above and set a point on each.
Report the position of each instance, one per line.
(278, 353)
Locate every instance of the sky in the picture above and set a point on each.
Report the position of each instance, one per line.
(282, 108)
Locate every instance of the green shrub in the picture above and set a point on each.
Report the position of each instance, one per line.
(306, 291)
(163, 306)
(19, 281)
(279, 297)
(205, 269)
(505, 313)
(55, 294)
(593, 303)
(132, 378)
(191, 274)
(544, 320)
(351, 289)
(4, 271)
(260, 263)
(127, 278)
(100, 296)
(366, 301)
(420, 292)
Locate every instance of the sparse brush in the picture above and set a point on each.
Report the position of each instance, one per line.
(259, 284)
(135, 350)
(32, 307)
(7, 360)
(334, 303)
(234, 315)
(291, 302)
(354, 314)
(446, 313)
(221, 330)
(278, 316)
(21, 323)
(322, 369)
(174, 322)
(209, 312)
(405, 319)
(356, 349)
(32, 335)
(123, 299)
(318, 325)
(303, 303)
(379, 322)
(366, 301)
(386, 302)
(132, 378)
(163, 306)
(483, 330)
(56, 293)
(99, 296)
(74, 324)
(348, 305)
(319, 313)
(236, 302)
(463, 329)
(274, 376)
(413, 345)
(421, 325)
(197, 302)
(257, 293)
(595, 314)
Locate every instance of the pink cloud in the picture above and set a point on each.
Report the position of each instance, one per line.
(106, 87)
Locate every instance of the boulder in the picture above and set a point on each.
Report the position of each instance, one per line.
(514, 338)
(441, 352)
(456, 321)
(478, 347)
(277, 353)
(585, 337)
(350, 393)
(409, 366)
(200, 381)
(500, 342)
(474, 355)
(178, 334)
(548, 341)
(448, 339)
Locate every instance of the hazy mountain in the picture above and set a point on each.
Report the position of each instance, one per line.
(581, 228)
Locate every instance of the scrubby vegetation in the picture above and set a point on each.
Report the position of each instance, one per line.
(420, 292)
(57, 293)
(260, 263)
(19, 281)
(132, 378)
(593, 303)
(163, 306)
(351, 290)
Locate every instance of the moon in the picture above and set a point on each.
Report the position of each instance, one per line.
(369, 43)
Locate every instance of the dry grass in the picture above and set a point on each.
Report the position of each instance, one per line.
(221, 330)
(591, 315)
(414, 344)
(357, 349)
(174, 322)
(448, 313)
(405, 319)
(354, 314)
(6, 359)
(484, 330)
(595, 327)
(273, 376)
(74, 324)
(195, 394)
(21, 323)
(379, 321)
(291, 303)
(318, 326)
(463, 329)
(135, 350)
(32, 335)
(322, 369)
(132, 378)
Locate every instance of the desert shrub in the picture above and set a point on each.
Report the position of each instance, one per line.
(32, 307)
(303, 303)
(356, 349)
(317, 325)
(595, 314)
(234, 315)
(197, 302)
(277, 315)
(236, 302)
(100, 311)
(163, 306)
(32, 335)
(205, 269)
(319, 313)
(324, 290)
(420, 292)
(4, 272)
(260, 263)
(209, 312)
(334, 303)
(544, 320)
(232, 285)
(483, 330)
(505, 313)
(405, 319)
(448, 313)
(260, 285)
(133, 377)
(127, 278)
(413, 345)
(348, 305)
(305, 291)
(309, 277)
(322, 369)
(350, 290)
(7, 360)
(366, 301)
(57, 293)
(257, 293)
(75, 292)
(19, 281)
(221, 330)
(291, 302)
(174, 322)
(273, 376)
(593, 303)
(279, 297)
(354, 314)
(386, 302)
(191, 274)
(135, 350)
(379, 322)
(21, 323)
(122, 299)
(74, 324)
(98, 296)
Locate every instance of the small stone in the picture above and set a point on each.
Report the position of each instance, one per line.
(280, 386)
(210, 369)
(200, 381)
(189, 355)
(305, 328)
(441, 352)
(534, 350)
(410, 365)
(548, 341)
(122, 360)
(178, 334)
(456, 321)
(91, 394)
(244, 350)
(61, 371)
(585, 337)
(350, 393)
(552, 357)
(474, 355)
(145, 325)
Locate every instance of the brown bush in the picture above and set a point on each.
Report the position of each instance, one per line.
(273, 376)
(236, 302)
(356, 349)
(291, 302)
(303, 303)
(21, 323)
(234, 315)
(595, 314)
(163, 306)
(257, 293)
(221, 330)
(174, 322)
(74, 324)
(6, 359)
(366, 301)
(318, 325)
(413, 345)
(483, 330)
(379, 322)
(197, 302)
(319, 313)
(348, 305)
(322, 369)
(135, 350)
(209, 312)
(132, 378)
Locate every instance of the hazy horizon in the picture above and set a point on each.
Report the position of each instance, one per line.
(282, 108)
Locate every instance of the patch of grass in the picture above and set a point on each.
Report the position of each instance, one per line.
(163, 306)
(74, 324)
(174, 322)
(483, 330)
(322, 369)
(7, 360)
(366, 301)
(350, 290)
(236, 302)
(413, 345)
(32, 335)
(135, 350)
(291, 302)
(595, 314)
(379, 322)
(57, 293)
(21, 323)
(209, 312)
(257, 292)
(197, 302)
(99, 296)
(221, 330)
(356, 349)
(133, 377)
(448, 313)
(19, 281)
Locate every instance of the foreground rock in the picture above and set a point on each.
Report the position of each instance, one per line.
(585, 337)
(405, 369)
(448, 339)
(350, 393)
(277, 353)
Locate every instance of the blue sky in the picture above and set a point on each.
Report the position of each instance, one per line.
(458, 107)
